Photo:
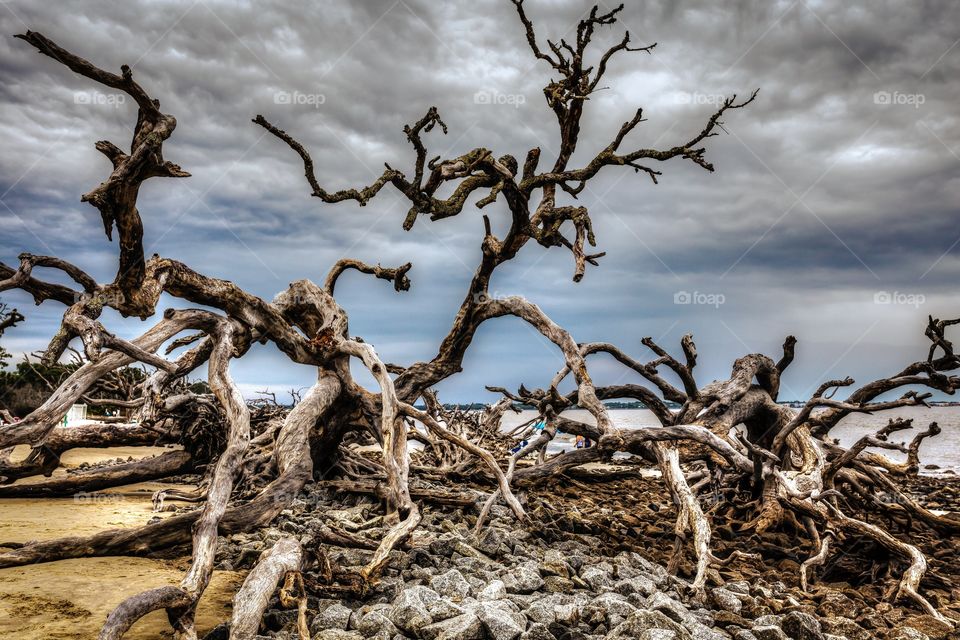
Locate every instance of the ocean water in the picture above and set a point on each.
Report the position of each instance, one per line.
(942, 450)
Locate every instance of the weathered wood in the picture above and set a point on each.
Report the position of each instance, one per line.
(46, 458)
(260, 584)
(781, 451)
(81, 483)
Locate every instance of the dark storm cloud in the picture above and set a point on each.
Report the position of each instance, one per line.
(837, 186)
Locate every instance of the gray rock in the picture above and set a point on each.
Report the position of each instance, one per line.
(701, 631)
(451, 584)
(767, 621)
(801, 626)
(743, 634)
(463, 627)
(705, 616)
(644, 620)
(568, 614)
(835, 604)
(336, 616)
(667, 605)
(496, 590)
(409, 612)
(761, 590)
(500, 619)
(554, 564)
(726, 600)
(443, 546)
(375, 622)
(492, 543)
(658, 634)
(278, 619)
(524, 600)
(631, 562)
(472, 566)
(740, 586)
(524, 578)
(597, 576)
(443, 609)
(575, 560)
(608, 608)
(557, 584)
(769, 632)
(542, 611)
(637, 584)
(537, 631)
(337, 634)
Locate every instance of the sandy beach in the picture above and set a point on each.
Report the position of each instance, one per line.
(70, 599)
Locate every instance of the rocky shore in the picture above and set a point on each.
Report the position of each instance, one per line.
(515, 582)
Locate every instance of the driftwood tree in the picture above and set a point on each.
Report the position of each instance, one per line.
(785, 453)
(9, 317)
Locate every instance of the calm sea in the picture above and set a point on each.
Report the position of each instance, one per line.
(943, 450)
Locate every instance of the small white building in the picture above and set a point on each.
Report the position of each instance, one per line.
(76, 414)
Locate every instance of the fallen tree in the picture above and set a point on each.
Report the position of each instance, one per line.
(253, 470)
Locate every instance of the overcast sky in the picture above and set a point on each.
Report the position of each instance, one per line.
(832, 214)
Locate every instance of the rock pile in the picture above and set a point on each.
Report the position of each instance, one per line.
(510, 585)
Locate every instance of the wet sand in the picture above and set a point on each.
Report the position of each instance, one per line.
(70, 599)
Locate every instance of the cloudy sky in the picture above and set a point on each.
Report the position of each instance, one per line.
(832, 214)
